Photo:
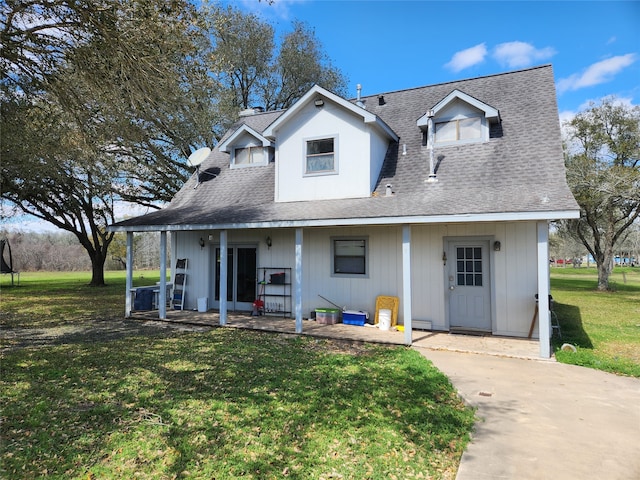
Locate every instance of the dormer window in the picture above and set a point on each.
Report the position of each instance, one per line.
(458, 130)
(458, 118)
(320, 156)
(247, 148)
(248, 155)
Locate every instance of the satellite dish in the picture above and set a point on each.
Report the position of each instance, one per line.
(199, 156)
(196, 158)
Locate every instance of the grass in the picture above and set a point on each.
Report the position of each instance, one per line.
(604, 326)
(222, 404)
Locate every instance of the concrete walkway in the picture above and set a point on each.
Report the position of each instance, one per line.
(545, 420)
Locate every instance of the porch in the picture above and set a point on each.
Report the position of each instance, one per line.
(479, 344)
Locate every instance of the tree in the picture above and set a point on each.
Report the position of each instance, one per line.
(94, 113)
(252, 70)
(603, 172)
(103, 101)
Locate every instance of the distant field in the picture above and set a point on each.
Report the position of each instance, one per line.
(604, 326)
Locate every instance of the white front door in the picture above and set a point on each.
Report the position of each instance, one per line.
(468, 285)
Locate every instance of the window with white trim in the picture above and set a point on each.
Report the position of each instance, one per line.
(349, 256)
(458, 130)
(320, 156)
(248, 155)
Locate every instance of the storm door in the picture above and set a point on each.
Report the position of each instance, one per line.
(468, 283)
(241, 278)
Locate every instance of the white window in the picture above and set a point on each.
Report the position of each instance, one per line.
(248, 155)
(320, 156)
(458, 130)
(349, 256)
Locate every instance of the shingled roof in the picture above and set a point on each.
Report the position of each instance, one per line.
(518, 174)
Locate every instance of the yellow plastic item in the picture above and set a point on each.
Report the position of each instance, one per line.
(390, 303)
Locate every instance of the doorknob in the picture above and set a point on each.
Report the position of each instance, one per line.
(452, 287)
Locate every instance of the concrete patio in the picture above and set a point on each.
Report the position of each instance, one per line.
(490, 345)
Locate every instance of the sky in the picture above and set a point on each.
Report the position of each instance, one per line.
(594, 46)
(385, 46)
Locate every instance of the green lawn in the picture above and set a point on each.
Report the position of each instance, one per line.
(604, 326)
(222, 404)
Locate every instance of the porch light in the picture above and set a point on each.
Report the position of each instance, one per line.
(444, 257)
(319, 102)
(496, 246)
(201, 242)
(268, 242)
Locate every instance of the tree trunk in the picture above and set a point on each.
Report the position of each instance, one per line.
(98, 260)
(605, 266)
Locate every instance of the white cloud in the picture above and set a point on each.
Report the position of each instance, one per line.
(467, 58)
(600, 72)
(520, 54)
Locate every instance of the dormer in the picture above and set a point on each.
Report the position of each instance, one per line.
(459, 119)
(327, 148)
(247, 148)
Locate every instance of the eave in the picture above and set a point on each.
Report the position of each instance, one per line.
(369, 221)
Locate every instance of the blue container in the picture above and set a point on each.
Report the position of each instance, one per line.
(352, 317)
(144, 299)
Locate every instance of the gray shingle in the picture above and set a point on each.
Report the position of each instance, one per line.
(520, 169)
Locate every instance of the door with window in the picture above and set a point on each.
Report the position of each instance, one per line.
(241, 277)
(468, 285)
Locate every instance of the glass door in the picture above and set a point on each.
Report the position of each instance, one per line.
(241, 277)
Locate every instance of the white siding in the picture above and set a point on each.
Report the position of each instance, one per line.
(356, 293)
(359, 152)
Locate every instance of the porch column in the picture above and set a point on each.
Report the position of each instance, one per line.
(223, 277)
(406, 283)
(162, 297)
(544, 321)
(298, 283)
(129, 281)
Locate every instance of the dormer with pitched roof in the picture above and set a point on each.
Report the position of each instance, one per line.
(247, 148)
(458, 119)
(327, 148)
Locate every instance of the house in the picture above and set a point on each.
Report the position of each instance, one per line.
(440, 195)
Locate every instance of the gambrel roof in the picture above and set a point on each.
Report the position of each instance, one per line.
(517, 175)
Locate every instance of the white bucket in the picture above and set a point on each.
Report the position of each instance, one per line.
(384, 319)
(202, 304)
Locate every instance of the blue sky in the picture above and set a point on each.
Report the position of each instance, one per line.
(594, 47)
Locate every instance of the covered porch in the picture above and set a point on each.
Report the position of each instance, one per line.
(299, 324)
(479, 344)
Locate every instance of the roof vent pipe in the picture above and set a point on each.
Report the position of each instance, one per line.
(388, 191)
(359, 102)
(430, 140)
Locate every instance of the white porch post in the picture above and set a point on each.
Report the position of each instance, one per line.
(129, 281)
(223, 277)
(544, 321)
(406, 283)
(298, 283)
(162, 297)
